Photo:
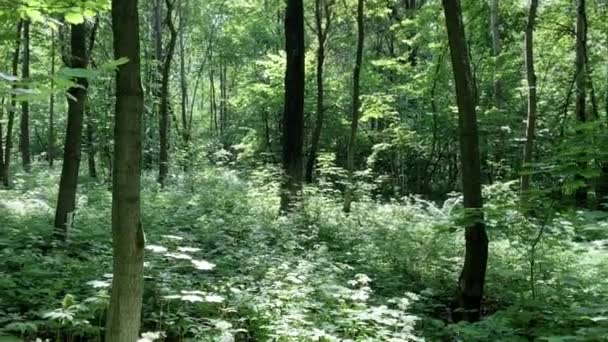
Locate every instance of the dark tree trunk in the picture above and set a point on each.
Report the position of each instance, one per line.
(213, 104)
(496, 49)
(91, 149)
(24, 137)
(183, 80)
(293, 114)
(356, 103)
(531, 78)
(472, 278)
(51, 140)
(11, 112)
(580, 84)
(124, 313)
(164, 97)
(320, 13)
(66, 199)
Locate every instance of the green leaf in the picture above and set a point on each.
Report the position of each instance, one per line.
(74, 18)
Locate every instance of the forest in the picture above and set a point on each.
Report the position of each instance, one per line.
(303, 170)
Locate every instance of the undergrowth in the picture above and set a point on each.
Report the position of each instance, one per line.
(222, 265)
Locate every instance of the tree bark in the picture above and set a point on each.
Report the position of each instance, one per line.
(356, 103)
(472, 278)
(90, 134)
(68, 184)
(531, 79)
(322, 30)
(293, 113)
(5, 176)
(24, 137)
(164, 97)
(51, 137)
(124, 313)
(183, 79)
(581, 193)
(496, 49)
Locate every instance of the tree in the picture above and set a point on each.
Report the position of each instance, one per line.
(472, 278)
(24, 137)
(51, 137)
(5, 176)
(323, 21)
(496, 49)
(581, 86)
(164, 97)
(68, 184)
(293, 114)
(356, 104)
(124, 313)
(531, 79)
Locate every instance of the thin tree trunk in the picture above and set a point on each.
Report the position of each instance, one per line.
(66, 199)
(11, 112)
(352, 141)
(164, 97)
(293, 113)
(90, 133)
(1, 139)
(581, 91)
(472, 278)
(531, 78)
(24, 138)
(213, 103)
(51, 139)
(496, 49)
(124, 313)
(320, 12)
(183, 79)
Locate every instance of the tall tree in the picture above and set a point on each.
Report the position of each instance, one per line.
(164, 125)
(24, 137)
(323, 21)
(496, 49)
(11, 112)
(66, 198)
(531, 79)
(356, 104)
(472, 278)
(581, 84)
(51, 138)
(124, 313)
(182, 74)
(293, 114)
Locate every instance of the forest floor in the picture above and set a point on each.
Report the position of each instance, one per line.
(222, 265)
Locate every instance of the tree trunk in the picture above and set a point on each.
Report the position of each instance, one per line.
(531, 78)
(164, 98)
(5, 176)
(213, 104)
(320, 12)
(51, 143)
(580, 84)
(124, 313)
(472, 278)
(496, 49)
(183, 79)
(24, 138)
(293, 113)
(91, 149)
(66, 199)
(352, 141)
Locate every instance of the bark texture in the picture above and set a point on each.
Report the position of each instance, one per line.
(531, 79)
(293, 114)
(356, 104)
(124, 313)
(68, 184)
(472, 278)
